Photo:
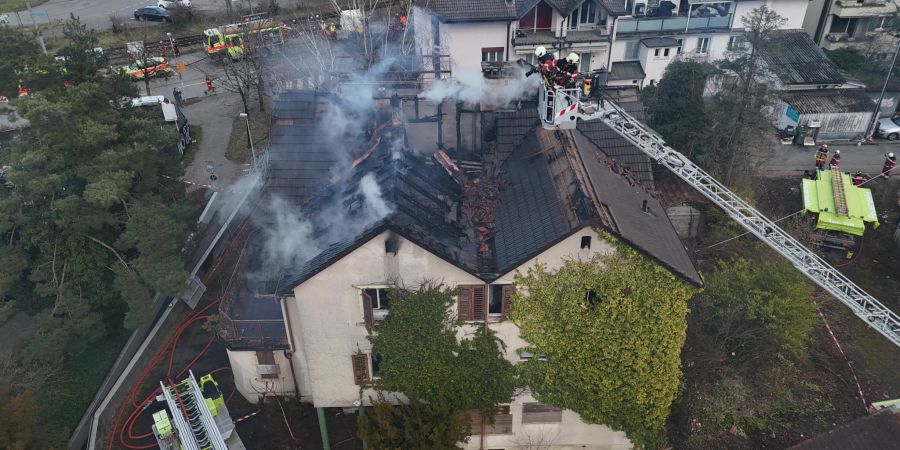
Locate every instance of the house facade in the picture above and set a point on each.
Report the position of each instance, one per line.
(616, 34)
(857, 24)
(537, 200)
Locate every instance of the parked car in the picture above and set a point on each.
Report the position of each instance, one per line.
(172, 3)
(154, 13)
(888, 128)
(155, 67)
(150, 100)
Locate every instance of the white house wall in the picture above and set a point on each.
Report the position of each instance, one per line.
(792, 10)
(465, 41)
(250, 384)
(327, 316)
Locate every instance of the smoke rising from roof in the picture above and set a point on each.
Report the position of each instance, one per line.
(470, 87)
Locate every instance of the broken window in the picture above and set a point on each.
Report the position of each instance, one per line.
(591, 298)
(585, 242)
(360, 363)
(376, 365)
(375, 303)
(540, 413)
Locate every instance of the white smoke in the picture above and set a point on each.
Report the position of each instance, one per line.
(371, 192)
(470, 87)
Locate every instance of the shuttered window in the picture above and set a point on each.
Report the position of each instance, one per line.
(502, 421)
(368, 314)
(499, 304)
(508, 292)
(540, 413)
(471, 303)
(360, 368)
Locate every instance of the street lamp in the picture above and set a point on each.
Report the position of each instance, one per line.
(250, 138)
(871, 131)
(172, 46)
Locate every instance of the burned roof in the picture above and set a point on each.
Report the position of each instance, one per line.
(796, 59)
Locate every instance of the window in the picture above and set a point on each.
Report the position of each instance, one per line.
(585, 16)
(502, 421)
(470, 303)
(656, 52)
(539, 18)
(540, 413)
(591, 298)
(736, 42)
(492, 54)
(702, 45)
(376, 305)
(839, 25)
(584, 62)
(376, 365)
(666, 52)
(525, 355)
(267, 359)
(360, 363)
(631, 50)
(680, 45)
(585, 242)
(499, 302)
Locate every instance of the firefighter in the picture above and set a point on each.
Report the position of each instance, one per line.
(567, 70)
(210, 89)
(821, 156)
(835, 160)
(544, 62)
(889, 163)
(858, 178)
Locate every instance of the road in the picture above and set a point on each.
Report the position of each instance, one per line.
(96, 13)
(792, 160)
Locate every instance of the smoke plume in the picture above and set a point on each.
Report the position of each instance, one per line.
(470, 87)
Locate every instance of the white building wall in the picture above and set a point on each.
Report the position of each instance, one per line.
(327, 316)
(465, 41)
(792, 10)
(653, 65)
(251, 385)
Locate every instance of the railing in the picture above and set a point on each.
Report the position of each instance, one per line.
(673, 24)
(255, 334)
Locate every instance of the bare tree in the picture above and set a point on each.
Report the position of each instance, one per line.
(244, 67)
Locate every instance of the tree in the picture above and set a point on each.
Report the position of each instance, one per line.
(413, 425)
(244, 66)
(738, 119)
(81, 60)
(18, 417)
(23, 63)
(676, 107)
(93, 215)
(422, 358)
(611, 331)
(757, 309)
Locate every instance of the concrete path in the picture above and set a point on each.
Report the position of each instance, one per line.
(792, 160)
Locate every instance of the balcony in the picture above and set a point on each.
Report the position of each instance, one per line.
(674, 24)
(526, 37)
(868, 8)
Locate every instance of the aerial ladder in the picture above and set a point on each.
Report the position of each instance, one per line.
(201, 420)
(560, 108)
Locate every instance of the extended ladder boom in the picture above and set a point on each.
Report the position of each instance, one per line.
(565, 115)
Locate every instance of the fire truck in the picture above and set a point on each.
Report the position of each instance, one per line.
(228, 40)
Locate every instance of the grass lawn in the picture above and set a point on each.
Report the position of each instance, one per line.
(17, 5)
(69, 394)
(238, 150)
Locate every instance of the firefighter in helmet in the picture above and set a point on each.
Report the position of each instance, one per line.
(567, 70)
(543, 61)
(890, 161)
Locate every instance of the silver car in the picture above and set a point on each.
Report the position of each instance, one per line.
(889, 128)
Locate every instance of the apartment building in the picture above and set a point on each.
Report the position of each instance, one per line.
(857, 24)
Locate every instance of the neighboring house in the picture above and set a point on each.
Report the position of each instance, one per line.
(541, 198)
(605, 33)
(877, 430)
(811, 89)
(857, 24)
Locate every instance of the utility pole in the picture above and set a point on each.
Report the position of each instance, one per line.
(871, 131)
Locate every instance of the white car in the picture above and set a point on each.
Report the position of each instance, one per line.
(148, 100)
(172, 3)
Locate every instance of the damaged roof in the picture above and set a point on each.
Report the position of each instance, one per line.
(796, 59)
(485, 225)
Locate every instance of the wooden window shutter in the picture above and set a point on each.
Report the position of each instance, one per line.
(479, 303)
(368, 316)
(506, 304)
(360, 368)
(464, 303)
